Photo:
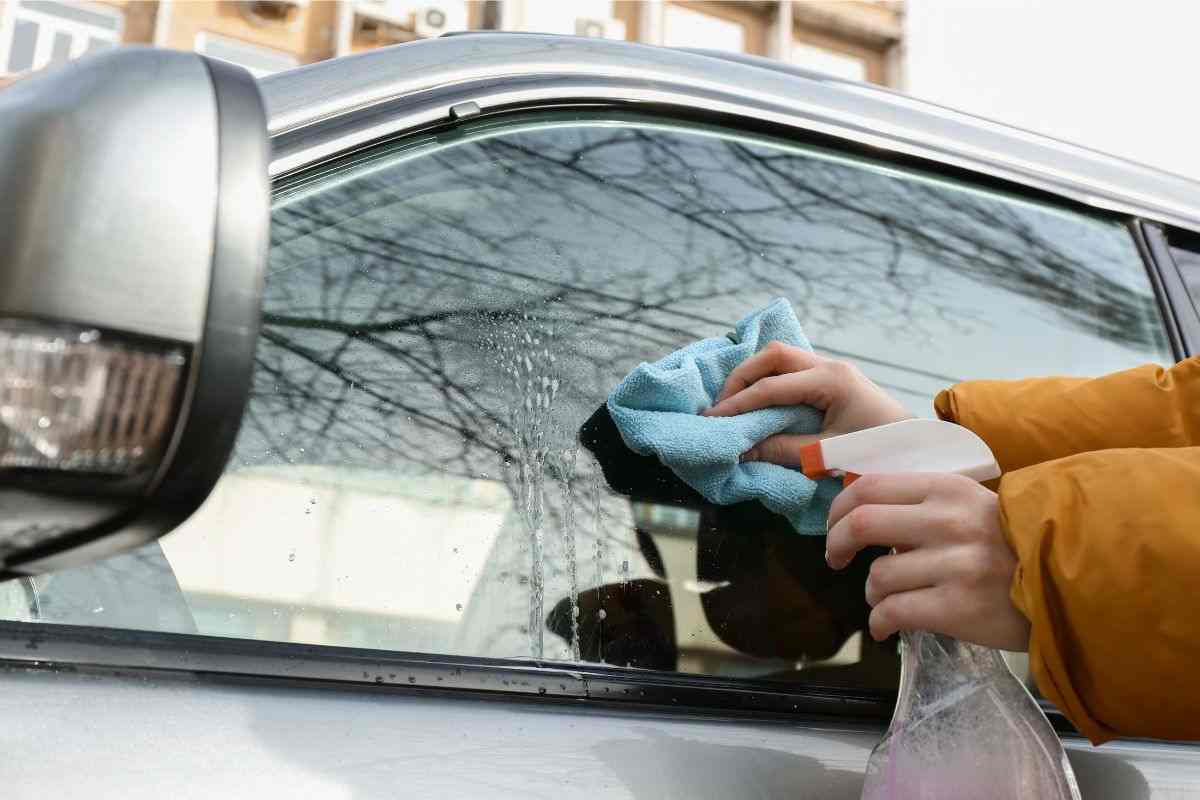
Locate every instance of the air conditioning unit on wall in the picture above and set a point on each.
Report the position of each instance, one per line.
(419, 20)
(430, 21)
(600, 28)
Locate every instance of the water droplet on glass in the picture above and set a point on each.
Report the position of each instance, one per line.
(458, 606)
(602, 614)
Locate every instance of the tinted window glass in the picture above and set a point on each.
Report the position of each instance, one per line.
(1185, 249)
(443, 318)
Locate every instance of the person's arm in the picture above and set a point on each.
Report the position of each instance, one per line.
(1108, 552)
(1027, 422)
(1091, 562)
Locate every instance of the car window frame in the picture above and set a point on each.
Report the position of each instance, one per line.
(57, 646)
(1179, 308)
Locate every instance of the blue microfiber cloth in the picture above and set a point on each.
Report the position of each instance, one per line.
(657, 409)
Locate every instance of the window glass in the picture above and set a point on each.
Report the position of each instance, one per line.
(48, 33)
(61, 49)
(22, 46)
(420, 467)
(832, 63)
(1185, 249)
(686, 27)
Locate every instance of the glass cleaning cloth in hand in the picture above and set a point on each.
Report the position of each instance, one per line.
(657, 409)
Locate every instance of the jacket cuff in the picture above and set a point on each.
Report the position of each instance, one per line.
(1029, 530)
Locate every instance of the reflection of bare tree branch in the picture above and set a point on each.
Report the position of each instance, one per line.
(400, 262)
(343, 373)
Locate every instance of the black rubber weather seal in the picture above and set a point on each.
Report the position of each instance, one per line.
(214, 658)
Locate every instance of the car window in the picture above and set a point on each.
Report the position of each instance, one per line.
(421, 465)
(1185, 249)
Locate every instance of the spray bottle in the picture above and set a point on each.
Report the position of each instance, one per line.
(964, 726)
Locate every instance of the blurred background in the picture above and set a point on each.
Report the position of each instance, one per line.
(1104, 75)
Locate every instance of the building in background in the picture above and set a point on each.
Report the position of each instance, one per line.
(856, 39)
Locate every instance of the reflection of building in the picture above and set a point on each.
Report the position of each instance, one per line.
(858, 39)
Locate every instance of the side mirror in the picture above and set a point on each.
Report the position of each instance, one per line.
(134, 205)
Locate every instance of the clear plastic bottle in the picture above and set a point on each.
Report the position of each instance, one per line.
(965, 729)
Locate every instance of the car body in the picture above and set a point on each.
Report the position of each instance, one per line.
(931, 245)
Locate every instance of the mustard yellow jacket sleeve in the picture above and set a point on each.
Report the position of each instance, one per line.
(1100, 501)
(1108, 551)
(1030, 421)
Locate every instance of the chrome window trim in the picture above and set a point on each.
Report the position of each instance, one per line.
(345, 103)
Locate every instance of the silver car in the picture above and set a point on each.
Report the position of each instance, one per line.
(405, 552)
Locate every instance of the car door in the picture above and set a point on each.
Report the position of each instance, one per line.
(430, 569)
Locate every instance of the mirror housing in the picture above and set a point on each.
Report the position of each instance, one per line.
(134, 209)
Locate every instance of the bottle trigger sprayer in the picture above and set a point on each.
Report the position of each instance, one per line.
(964, 727)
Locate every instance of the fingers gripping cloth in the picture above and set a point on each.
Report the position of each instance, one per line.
(656, 409)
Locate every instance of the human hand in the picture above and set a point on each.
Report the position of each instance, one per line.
(784, 375)
(952, 568)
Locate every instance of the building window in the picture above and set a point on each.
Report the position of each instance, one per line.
(829, 62)
(37, 33)
(854, 41)
(259, 60)
(686, 27)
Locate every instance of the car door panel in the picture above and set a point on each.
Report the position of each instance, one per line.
(189, 738)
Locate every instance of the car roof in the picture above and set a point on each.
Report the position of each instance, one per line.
(581, 68)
